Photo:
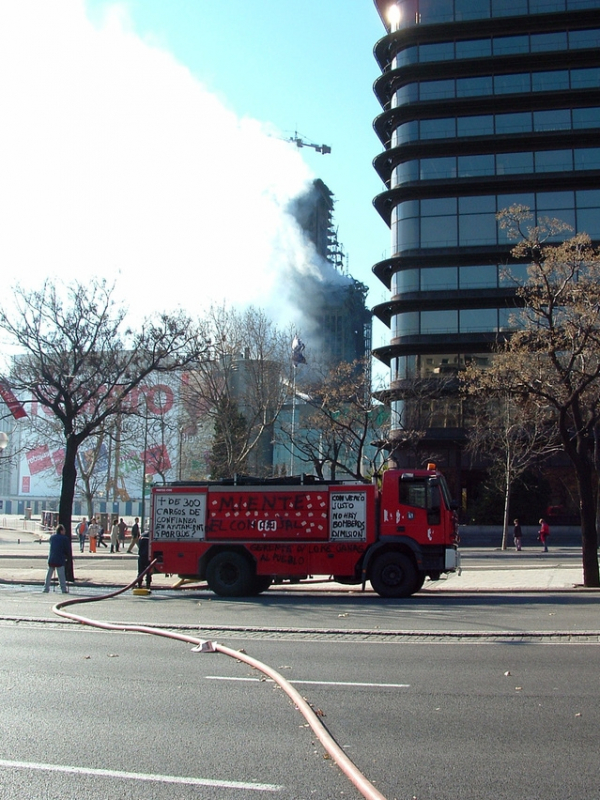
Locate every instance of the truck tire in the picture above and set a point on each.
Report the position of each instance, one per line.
(229, 574)
(394, 575)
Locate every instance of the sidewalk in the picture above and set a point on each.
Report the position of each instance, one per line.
(484, 570)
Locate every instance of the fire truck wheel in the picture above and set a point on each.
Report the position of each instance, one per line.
(229, 574)
(394, 575)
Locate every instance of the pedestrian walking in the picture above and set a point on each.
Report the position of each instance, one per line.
(81, 532)
(135, 534)
(543, 534)
(144, 558)
(122, 531)
(517, 534)
(92, 532)
(101, 541)
(57, 558)
(114, 536)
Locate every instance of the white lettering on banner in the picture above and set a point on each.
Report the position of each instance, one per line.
(179, 517)
(348, 516)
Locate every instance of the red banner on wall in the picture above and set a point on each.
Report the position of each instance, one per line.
(14, 406)
(39, 459)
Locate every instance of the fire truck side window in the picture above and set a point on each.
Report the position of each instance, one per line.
(413, 493)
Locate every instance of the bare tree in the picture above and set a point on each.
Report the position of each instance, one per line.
(241, 387)
(338, 423)
(553, 356)
(81, 363)
(510, 432)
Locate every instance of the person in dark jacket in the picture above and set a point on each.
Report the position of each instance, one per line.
(57, 558)
(144, 558)
(517, 534)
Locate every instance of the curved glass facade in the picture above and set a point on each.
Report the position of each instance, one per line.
(485, 104)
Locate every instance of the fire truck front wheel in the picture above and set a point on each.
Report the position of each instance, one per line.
(394, 575)
(229, 574)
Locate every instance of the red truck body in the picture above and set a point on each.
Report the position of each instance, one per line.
(243, 535)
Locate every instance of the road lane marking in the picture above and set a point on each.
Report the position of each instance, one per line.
(140, 776)
(312, 683)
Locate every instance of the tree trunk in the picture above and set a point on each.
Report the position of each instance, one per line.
(506, 512)
(67, 495)
(589, 536)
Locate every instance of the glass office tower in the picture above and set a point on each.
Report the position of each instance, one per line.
(486, 103)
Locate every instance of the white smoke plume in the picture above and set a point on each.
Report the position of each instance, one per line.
(117, 162)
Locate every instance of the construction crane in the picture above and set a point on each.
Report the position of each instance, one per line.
(300, 141)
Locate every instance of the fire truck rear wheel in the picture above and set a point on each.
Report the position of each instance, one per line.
(394, 575)
(229, 574)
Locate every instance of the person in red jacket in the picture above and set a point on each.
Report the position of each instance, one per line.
(544, 533)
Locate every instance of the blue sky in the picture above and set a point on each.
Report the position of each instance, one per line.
(131, 122)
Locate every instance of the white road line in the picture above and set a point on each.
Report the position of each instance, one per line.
(140, 776)
(313, 683)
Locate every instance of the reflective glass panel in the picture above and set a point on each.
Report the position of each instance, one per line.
(550, 81)
(478, 277)
(439, 278)
(477, 229)
(438, 128)
(554, 161)
(514, 163)
(579, 39)
(407, 132)
(473, 87)
(406, 280)
(471, 166)
(478, 319)
(406, 324)
(555, 200)
(436, 90)
(440, 51)
(438, 168)
(431, 11)
(588, 158)
(585, 78)
(512, 84)
(474, 48)
(541, 42)
(559, 119)
(475, 126)
(471, 9)
(588, 198)
(477, 204)
(438, 205)
(439, 322)
(503, 45)
(408, 234)
(438, 231)
(513, 123)
(509, 8)
(588, 221)
(586, 117)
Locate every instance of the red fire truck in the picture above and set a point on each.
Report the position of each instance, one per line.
(243, 534)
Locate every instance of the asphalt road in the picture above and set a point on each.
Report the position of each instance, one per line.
(90, 714)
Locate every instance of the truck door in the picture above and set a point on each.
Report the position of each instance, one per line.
(418, 511)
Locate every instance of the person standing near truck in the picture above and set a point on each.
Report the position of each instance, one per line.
(92, 532)
(122, 531)
(135, 534)
(543, 534)
(81, 532)
(57, 558)
(517, 534)
(144, 558)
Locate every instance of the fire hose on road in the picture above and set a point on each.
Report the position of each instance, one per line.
(364, 786)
